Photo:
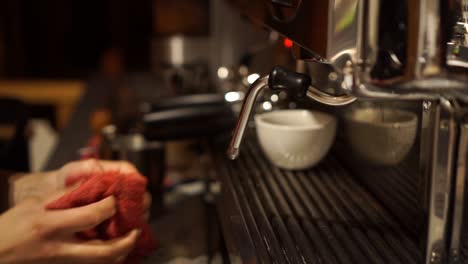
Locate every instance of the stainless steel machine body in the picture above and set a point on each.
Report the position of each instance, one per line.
(370, 57)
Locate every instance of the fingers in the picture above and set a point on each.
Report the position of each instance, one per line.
(120, 166)
(110, 251)
(82, 166)
(81, 218)
(74, 170)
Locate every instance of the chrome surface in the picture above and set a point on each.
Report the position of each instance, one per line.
(428, 120)
(244, 115)
(343, 28)
(441, 183)
(428, 51)
(381, 49)
(460, 195)
(353, 35)
(324, 76)
(328, 99)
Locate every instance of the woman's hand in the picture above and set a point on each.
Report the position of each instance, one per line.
(32, 234)
(41, 184)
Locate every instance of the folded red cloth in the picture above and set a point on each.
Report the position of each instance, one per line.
(129, 190)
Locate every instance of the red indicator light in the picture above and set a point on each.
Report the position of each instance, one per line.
(287, 43)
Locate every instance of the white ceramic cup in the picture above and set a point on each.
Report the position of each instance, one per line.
(382, 136)
(295, 139)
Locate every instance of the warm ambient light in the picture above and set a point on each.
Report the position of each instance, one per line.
(232, 96)
(274, 98)
(252, 78)
(223, 72)
(267, 106)
(287, 43)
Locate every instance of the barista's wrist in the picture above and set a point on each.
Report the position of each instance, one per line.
(25, 185)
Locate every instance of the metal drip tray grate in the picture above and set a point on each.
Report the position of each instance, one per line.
(320, 215)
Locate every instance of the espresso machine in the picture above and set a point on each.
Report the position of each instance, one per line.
(399, 197)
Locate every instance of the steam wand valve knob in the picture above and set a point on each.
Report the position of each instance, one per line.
(295, 83)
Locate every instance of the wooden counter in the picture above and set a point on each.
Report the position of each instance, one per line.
(62, 94)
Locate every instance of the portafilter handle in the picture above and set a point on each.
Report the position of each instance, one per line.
(278, 79)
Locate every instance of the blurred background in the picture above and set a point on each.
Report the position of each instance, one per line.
(50, 52)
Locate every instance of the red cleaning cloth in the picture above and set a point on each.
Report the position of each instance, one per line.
(128, 189)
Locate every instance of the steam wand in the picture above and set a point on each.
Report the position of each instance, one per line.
(278, 79)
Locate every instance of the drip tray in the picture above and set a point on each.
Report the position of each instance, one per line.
(321, 215)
